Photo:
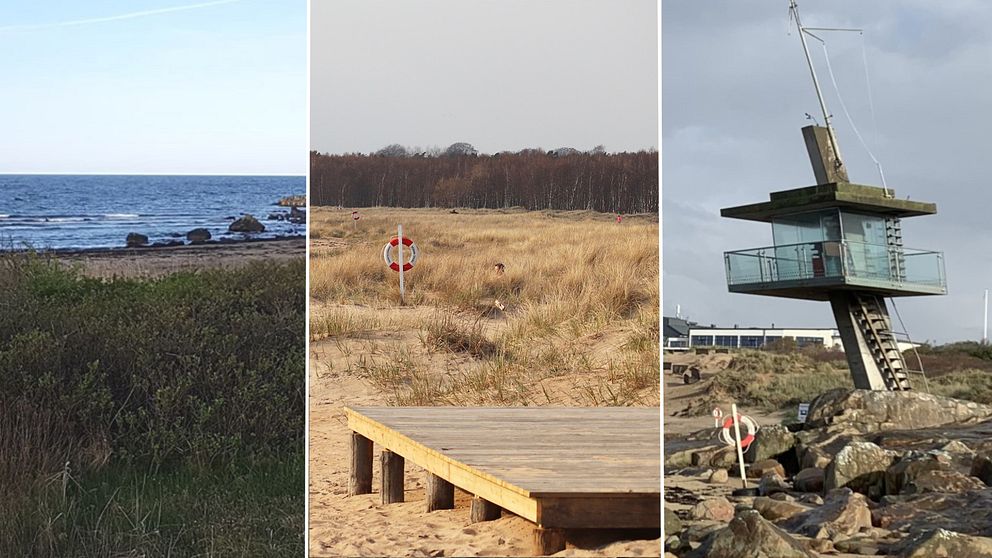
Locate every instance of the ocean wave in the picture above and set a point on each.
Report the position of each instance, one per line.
(121, 215)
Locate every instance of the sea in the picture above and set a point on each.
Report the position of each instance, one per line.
(68, 212)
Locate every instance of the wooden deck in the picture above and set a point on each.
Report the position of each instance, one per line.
(561, 468)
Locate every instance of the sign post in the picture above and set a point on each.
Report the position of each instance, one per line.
(737, 437)
(399, 258)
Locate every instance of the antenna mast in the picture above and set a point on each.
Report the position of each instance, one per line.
(794, 11)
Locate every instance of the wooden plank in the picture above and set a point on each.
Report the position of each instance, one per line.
(506, 497)
(557, 467)
(360, 478)
(392, 477)
(600, 513)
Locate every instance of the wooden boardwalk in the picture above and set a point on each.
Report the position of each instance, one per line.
(561, 468)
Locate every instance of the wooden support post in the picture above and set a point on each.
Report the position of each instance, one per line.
(392, 477)
(548, 541)
(440, 493)
(484, 510)
(360, 481)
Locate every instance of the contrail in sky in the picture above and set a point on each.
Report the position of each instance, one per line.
(132, 15)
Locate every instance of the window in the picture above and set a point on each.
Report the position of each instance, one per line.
(726, 341)
(805, 341)
(751, 341)
(701, 341)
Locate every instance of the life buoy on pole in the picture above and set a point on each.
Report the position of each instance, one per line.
(387, 253)
(727, 432)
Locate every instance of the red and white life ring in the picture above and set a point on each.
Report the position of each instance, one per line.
(747, 424)
(387, 253)
(355, 216)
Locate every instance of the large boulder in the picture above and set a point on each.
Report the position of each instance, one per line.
(809, 479)
(718, 476)
(942, 543)
(963, 512)
(860, 466)
(943, 481)
(909, 467)
(872, 411)
(761, 468)
(197, 236)
(843, 512)
(775, 510)
(750, 536)
(816, 448)
(772, 483)
(716, 509)
(770, 442)
(136, 240)
(247, 224)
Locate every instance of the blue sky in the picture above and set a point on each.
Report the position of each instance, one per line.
(218, 88)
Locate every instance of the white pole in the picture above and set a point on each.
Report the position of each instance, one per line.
(401, 261)
(985, 331)
(740, 450)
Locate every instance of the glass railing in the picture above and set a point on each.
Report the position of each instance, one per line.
(835, 259)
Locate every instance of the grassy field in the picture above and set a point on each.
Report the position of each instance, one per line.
(151, 417)
(573, 319)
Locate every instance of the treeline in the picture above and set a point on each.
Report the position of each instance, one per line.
(458, 176)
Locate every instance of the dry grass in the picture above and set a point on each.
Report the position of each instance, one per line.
(576, 323)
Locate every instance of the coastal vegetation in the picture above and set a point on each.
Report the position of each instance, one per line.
(570, 317)
(773, 380)
(151, 417)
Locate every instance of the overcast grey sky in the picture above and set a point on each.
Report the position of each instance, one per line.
(499, 74)
(735, 89)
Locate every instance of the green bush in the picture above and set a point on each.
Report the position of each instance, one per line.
(165, 394)
(193, 367)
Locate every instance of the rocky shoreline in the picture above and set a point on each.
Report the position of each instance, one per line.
(869, 473)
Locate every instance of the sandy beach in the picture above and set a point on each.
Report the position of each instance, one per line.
(158, 261)
(362, 526)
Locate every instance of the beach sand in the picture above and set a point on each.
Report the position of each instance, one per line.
(342, 525)
(159, 261)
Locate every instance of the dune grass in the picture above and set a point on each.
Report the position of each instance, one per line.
(775, 381)
(569, 279)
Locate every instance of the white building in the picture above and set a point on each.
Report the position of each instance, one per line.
(755, 338)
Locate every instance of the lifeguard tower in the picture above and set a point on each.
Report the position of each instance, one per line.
(840, 242)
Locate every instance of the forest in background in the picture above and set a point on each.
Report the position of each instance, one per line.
(561, 179)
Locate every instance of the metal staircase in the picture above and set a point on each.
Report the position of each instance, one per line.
(872, 319)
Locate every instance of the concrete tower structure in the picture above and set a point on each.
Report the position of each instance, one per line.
(841, 242)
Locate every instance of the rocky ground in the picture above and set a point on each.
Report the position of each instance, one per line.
(869, 473)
